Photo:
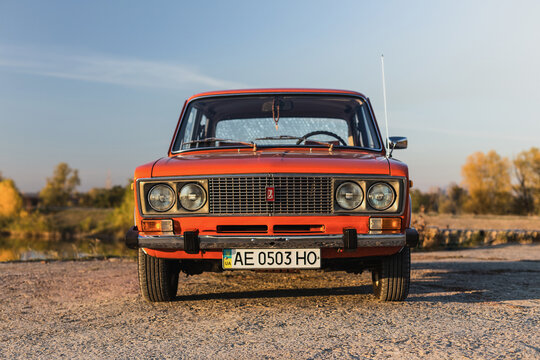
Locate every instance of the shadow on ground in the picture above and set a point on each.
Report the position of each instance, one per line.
(280, 293)
(438, 281)
(476, 281)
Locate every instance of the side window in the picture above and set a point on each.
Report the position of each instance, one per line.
(188, 129)
(200, 131)
(366, 131)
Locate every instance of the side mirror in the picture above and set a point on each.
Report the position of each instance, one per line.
(398, 142)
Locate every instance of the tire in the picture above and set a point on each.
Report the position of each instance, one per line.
(392, 277)
(158, 278)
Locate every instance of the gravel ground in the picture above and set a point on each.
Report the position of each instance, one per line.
(480, 303)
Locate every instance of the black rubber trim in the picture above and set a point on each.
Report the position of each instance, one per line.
(350, 238)
(192, 243)
(411, 237)
(132, 238)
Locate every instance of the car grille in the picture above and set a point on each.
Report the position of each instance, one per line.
(293, 195)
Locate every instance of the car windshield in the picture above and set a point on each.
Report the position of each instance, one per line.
(277, 120)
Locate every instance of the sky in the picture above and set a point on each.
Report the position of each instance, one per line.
(100, 84)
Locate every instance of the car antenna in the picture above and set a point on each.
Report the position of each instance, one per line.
(387, 144)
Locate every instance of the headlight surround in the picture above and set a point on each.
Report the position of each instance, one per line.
(192, 196)
(161, 197)
(381, 196)
(349, 195)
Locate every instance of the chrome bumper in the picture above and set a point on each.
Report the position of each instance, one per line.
(192, 242)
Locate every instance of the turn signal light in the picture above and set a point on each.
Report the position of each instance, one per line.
(386, 223)
(157, 225)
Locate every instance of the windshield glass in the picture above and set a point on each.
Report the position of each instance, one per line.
(277, 120)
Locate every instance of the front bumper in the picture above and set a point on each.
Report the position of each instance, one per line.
(192, 242)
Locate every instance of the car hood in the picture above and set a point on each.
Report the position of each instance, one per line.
(271, 161)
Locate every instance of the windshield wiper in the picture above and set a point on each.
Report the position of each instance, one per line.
(280, 137)
(289, 137)
(214, 139)
(329, 144)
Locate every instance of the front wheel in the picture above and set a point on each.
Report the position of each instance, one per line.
(158, 278)
(392, 277)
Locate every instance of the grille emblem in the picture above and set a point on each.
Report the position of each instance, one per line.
(270, 193)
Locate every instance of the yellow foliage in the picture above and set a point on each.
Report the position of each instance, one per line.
(528, 162)
(10, 199)
(8, 255)
(527, 170)
(487, 177)
(122, 217)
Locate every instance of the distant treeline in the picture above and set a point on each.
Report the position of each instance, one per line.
(491, 185)
(34, 215)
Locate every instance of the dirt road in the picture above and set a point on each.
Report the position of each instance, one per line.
(481, 303)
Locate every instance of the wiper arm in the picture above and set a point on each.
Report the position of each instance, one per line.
(214, 139)
(329, 144)
(209, 139)
(289, 137)
(280, 137)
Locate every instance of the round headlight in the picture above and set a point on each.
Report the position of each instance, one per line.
(192, 197)
(381, 196)
(349, 195)
(161, 197)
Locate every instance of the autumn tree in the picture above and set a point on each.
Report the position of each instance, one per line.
(527, 188)
(60, 188)
(10, 199)
(487, 178)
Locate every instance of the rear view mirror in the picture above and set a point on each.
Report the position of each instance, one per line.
(284, 105)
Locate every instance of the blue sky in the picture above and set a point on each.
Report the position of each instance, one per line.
(100, 84)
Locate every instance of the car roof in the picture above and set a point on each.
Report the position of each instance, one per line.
(276, 91)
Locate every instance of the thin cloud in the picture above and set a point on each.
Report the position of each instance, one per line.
(109, 70)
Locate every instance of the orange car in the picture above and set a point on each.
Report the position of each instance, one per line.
(272, 179)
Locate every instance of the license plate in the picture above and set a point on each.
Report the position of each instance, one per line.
(271, 258)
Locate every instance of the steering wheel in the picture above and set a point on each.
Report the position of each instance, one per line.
(321, 132)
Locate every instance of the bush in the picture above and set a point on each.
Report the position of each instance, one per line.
(122, 217)
(10, 200)
(103, 198)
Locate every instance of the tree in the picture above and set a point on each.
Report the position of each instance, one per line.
(527, 189)
(425, 202)
(60, 189)
(487, 178)
(102, 197)
(452, 200)
(418, 201)
(10, 199)
(122, 216)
